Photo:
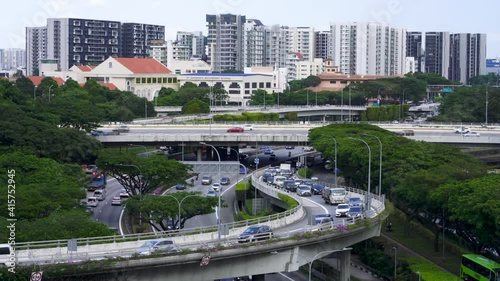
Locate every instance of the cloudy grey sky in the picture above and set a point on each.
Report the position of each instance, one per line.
(479, 16)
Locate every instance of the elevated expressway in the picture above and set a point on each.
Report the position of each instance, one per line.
(284, 253)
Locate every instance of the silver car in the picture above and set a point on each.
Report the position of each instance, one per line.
(158, 246)
(304, 190)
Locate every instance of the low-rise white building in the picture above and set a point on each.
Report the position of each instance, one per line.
(280, 81)
(189, 66)
(239, 86)
(306, 68)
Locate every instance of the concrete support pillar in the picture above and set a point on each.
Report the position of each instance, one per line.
(344, 265)
(199, 154)
(260, 277)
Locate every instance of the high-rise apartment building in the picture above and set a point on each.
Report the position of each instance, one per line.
(368, 48)
(437, 52)
(36, 48)
(301, 40)
(414, 48)
(276, 47)
(158, 51)
(137, 37)
(12, 59)
(467, 56)
(323, 45)
(225, 41)
(189, 46)
(73, 41)
(254, 43)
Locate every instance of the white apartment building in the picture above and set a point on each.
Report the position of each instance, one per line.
(254, 46)
(368, 48)
(225, 41)
(12, 59)
(36, 48)
(410, 65)
(301, 40)
(305, 68)
(158, 51)
(188, 46)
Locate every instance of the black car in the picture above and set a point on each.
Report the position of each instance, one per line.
(180, 186)
(256, 233)
(317, 188)
(225, 181)
(273, 157)
(290, 185)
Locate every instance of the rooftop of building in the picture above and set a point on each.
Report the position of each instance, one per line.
(225, 74)
(143, 65)
(36, 80)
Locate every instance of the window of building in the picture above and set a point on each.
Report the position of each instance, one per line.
(164, 81)
(174, 80)
(169, 80)
(154, 80)
(254, 85)
(268, 85)
(76, 23)
(143, 80)
(110, 64)
(137, 80)
(149, 80)
(247, 92)
(261, 85)
(333, 82)
(247, 85)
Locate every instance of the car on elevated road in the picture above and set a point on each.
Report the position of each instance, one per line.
(235, 130)
(255, 233)
(158, 246)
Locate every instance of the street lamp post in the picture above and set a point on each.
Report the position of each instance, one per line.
(418, 272)
(342, 106)
(335, 161)
(486, 113)
(368, 197)
(219, 192)
(380, 164)
(49, 91)
(350, 108)
(140, 186)
(138, 145)
(34, 93)
(395, 261)
(179, 204)
(316, 98)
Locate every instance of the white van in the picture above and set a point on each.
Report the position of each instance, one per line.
(100, 194)
(6, 254)
(92, 201)
(278, 180)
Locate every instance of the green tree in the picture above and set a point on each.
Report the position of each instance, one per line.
(258, 97)
(159, 211)
(138, 174)
(312, 81)
(195, 106)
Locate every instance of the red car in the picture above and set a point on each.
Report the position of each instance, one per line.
(236, 130)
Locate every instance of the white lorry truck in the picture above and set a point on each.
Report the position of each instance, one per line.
(461, 130)
(334, 195)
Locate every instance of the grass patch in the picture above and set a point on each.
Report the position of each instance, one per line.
(421, 244)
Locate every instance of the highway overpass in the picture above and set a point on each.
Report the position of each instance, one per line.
(285, 253)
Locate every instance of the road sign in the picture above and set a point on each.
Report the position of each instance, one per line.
(72, 245)
(36, 276)
(205, 260)
(256, 160)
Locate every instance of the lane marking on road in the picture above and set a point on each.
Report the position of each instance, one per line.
(285, 276)
(318, 204)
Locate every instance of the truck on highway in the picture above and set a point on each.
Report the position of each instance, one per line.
(334, 195)
(286, 170)
(94, 178)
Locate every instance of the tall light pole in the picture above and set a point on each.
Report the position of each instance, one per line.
(335, 161)
(49, 91)
(342, 106)
(210, 107)
(316, 98)
(140, 186)
(350, 108)
(486, 113)
(380, 164)
(219, 192)
(138, 145)
(34, 92)
(395, 261)
(418, 272)
(368, 199)
(145, 108)
(179, 203)
(307, 103)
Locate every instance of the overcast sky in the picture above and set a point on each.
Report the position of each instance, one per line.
(479, 16)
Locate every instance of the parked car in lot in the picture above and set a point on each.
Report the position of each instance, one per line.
(472, 134)
(116, 201)
(354, 201)
(248, 127)
(122, 129)
(304, 190)
(225, 181)
(342, 210)
(158, 246)
(206, 180)
(255, 233)
(235, 130)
